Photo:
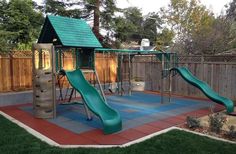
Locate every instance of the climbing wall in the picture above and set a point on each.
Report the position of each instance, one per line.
(43, 81)
(43, 96)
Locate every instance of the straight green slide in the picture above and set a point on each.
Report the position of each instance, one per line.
(205, 88)
(110, 118)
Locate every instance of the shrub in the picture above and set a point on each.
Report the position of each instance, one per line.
(137, 79)
(232, 132)
(216, 122)
(192, 122)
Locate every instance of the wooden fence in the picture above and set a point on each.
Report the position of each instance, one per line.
(218, 71)
(16, 70)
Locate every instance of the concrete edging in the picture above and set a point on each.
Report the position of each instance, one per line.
(53, 143)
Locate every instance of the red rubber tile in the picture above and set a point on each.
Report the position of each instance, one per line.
(174, 120)
(131, 134)
(193, 113)
(182, 117)
(160, 124)
(147, 129)
(198, 113)
(203, 112)
(98, 137)
(13, 111)
(218, 108)
(52, 131)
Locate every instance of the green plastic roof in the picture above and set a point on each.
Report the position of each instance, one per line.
(69, 32)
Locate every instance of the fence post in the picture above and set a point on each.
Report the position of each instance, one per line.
(202, 67)
(11, 71)
(212, 75)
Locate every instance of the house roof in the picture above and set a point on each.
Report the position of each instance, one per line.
(127, 50)
(68, 32)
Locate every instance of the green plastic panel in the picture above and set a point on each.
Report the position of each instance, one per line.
(70, 32)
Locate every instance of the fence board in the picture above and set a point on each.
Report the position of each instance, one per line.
(22, 70)
(219, 74)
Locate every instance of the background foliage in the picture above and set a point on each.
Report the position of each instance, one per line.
(185, 26)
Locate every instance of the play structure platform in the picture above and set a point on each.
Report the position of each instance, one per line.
(62, 34)
(142, 114)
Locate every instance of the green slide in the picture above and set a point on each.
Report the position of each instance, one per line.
(110, 118)
(204, 87)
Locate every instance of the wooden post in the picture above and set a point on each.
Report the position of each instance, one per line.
(202, 67)
(212, 75)
(11, 72)
(53, 61)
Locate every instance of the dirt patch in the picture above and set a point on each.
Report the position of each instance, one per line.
(228, 130)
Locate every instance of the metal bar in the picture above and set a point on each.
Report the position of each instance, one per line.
(100, 87)
(162, 77)
(170, 86)
(118, 73)
(72, 91)
(104, 79)
(89, 117)
(104, 71)
(129, 76)
(121, 75)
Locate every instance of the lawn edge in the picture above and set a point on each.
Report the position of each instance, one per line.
(205, 135)
(30, 130)
(53, 143)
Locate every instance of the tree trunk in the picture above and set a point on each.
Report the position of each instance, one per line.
(96, 19)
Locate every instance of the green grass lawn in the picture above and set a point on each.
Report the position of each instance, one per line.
(14, 139)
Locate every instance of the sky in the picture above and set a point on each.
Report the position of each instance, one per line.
(153, 5)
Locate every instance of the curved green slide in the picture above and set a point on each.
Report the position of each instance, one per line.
(110, 118)
(205, 88)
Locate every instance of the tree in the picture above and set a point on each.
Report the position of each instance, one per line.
(151, 23)
(104, 13)
(231, 11)
(134, 27)
(164, 39)
(20, 23)
(189, 20)
(129, 27)
(214, 39)
(231, 16)
(63, 8)
(101, 11)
